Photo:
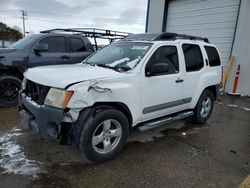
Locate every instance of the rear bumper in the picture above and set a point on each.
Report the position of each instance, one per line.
(41, 119)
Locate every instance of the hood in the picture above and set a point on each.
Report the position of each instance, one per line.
(6, 50)
(60, 76)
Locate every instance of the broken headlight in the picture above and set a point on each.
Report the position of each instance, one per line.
(58, 98)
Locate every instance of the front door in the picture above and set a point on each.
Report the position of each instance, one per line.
(162, 93)
(57, 53)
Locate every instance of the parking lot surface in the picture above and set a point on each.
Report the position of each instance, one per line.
(181, 154)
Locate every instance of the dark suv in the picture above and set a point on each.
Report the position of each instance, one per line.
(37, 50)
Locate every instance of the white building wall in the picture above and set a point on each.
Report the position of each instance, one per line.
(155, 15)
(241, 50)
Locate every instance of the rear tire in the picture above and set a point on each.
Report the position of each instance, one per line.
(204, 107)
(103, 135)
(9, 90)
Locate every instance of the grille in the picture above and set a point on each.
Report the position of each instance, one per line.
(36, 92)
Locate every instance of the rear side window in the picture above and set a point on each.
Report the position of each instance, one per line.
(56, 44)
(193, 57)
(77, 45)
(213, 56)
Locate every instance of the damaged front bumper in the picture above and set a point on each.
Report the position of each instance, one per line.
(41, 119)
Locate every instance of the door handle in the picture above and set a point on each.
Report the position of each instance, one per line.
(64, 57)
(179, 80)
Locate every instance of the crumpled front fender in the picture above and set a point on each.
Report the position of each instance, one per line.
(86, 93)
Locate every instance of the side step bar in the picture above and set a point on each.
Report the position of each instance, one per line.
(163, 121)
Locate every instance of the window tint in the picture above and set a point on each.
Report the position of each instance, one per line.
(167, 55)
(213, 56)
(56, 44)
(193, 57)
(77, 45)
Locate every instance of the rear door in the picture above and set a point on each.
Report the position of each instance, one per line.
(78, 50)
(57, 53)
(194, 68)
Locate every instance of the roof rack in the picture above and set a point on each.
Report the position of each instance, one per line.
(175, 36)
(92, 33)
(163, 36)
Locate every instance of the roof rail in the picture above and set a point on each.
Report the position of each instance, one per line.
(175, 36)
(92, 33)
(163, 36)
(142, 37)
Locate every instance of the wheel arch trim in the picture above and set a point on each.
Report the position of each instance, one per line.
(119, 106)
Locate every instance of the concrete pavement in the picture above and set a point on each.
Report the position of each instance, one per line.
(216, 154)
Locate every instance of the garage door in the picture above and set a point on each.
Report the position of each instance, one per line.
(214, 19)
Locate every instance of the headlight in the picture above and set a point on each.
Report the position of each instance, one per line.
(58, 98)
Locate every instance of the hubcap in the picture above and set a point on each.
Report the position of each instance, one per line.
(106, 136)
(206, 107)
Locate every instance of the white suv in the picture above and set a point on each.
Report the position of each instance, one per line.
(143, 81)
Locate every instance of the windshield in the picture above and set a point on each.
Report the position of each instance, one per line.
(120, 55)
(23, 43)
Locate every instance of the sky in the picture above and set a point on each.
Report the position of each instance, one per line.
(121, 15)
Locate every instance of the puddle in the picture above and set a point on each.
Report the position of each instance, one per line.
(13, 159)
(187, 130)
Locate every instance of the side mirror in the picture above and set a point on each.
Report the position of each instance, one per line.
(158, 69)
(41, 48)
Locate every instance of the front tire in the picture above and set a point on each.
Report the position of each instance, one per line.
(204, 107)
(9, 89)
(104, 135)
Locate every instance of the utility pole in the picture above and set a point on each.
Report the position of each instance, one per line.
(24, 17)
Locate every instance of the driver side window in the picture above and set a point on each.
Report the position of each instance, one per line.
(165, 56)
(55, 44)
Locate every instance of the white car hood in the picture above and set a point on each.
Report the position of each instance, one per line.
(60, 76)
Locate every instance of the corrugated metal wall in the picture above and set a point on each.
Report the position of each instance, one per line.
(214, 19)
(241, 50)
(155, 15)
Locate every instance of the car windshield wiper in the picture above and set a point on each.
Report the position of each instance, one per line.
(89, 63)
(106, 66)
(122, 68)
(116, 68)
